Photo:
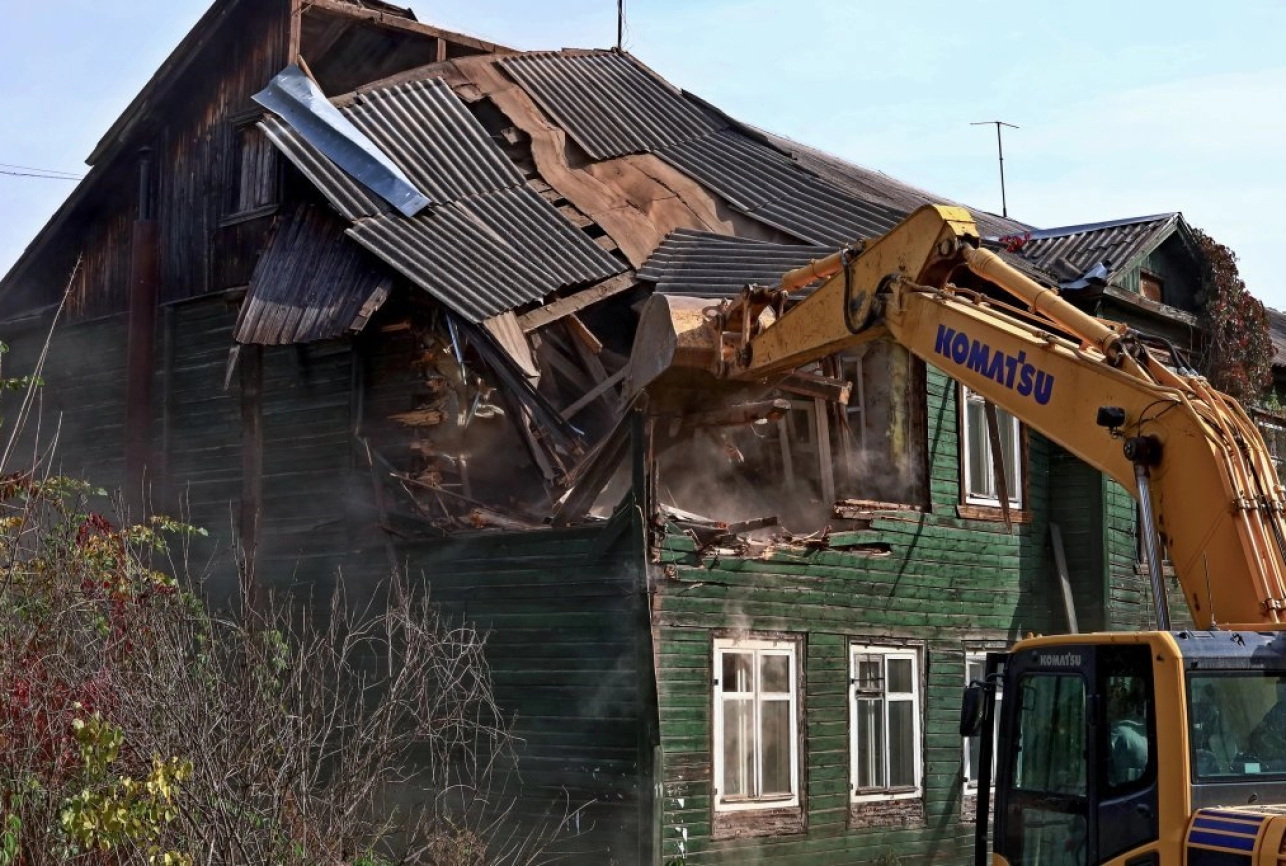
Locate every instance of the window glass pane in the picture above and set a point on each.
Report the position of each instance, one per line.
(738, 672)
(775, 740)
(973, 751)
(1051, 736)
(901, 680)
(870, 744)
(979, 456)
(1052, 838)
(901, 744)
(1009, 443)
(870, 673)
(1127, 726)
(775, 674)
(738, 748)
(1237, 726)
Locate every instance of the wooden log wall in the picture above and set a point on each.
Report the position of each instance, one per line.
(568, 648)
(950, 583)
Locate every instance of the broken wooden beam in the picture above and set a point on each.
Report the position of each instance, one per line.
(418, 418)
(556, 310)
(763, 411)
(592, 474)
(590, 396)
(817, 386)
(482, 518)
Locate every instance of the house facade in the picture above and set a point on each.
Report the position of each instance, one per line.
(358, 294)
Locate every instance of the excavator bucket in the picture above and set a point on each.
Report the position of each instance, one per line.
(676, 350)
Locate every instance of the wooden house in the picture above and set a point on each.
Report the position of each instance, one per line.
(357, 294)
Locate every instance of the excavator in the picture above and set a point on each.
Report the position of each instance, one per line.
(1164, 747)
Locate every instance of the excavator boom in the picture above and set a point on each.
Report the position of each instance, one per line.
(1168, 437)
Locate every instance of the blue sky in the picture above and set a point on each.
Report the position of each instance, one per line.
(1126, 108)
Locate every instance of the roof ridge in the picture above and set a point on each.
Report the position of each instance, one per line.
(1085, 228)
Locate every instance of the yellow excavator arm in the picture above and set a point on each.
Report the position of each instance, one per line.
(1189, 451)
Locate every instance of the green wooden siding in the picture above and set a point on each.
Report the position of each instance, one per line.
(81, 405)
(947, 581)
(570, 656)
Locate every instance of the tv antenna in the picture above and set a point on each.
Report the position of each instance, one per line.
(1004, 206)
(620, 23)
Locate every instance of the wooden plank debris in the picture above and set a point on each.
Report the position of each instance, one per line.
(555, 310)
(764, 411)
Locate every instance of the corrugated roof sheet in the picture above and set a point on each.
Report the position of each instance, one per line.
(493, 245)
(487, 254)
(1070, 251)
(425, 129)
(708, 265)
(876, 186)
(612, 106)
(769, 186)
(346, 195)
(310, 284)
(608, 102)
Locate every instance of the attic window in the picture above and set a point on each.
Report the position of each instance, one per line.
(1150, 286)
(251, 180)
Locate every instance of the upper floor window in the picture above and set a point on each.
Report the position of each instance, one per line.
(756, 742)
(885, 711)
(251, 184)
(980, 484)
(1151, 286)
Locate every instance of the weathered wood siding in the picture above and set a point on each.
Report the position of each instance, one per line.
(569, 652)
(1130, 600)
(948, 581)
(1076, 506)
(81, 406)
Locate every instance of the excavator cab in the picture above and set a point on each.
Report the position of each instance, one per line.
(1147, 748)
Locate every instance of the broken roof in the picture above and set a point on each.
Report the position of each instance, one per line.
(1108, 248)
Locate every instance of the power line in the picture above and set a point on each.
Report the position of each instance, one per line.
(41, 176)
(37, 173)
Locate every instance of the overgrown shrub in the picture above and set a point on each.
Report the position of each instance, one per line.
(136, 726)
(1239, 351)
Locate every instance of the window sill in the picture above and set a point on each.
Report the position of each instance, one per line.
(967, 511)
(246, 216)
(752, 823)
(887, 796)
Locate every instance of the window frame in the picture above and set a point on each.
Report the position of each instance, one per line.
(245, 136)
(916, 697)
(970, 785)
(1018, 495)
(756, 645)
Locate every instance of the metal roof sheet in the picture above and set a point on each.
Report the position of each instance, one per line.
(1071, 251)
(346, 195)
(876, 186)
(487, 254)
(708, 265)
(295, 98)
(424, 128)
(608, 102)
(769, 186)
(310, 283)
(492, 245)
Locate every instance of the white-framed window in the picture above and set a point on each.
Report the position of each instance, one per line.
(756, 741)
(975, 445)
(885, 722)
(975, 671)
